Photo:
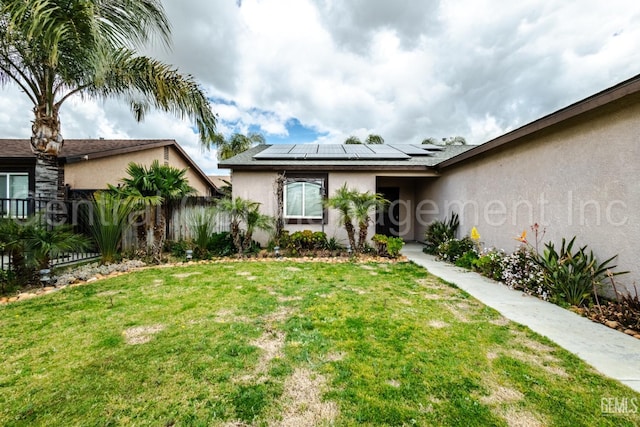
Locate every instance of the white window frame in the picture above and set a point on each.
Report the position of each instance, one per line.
(318, 184)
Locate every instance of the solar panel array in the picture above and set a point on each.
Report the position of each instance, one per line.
(345, 151)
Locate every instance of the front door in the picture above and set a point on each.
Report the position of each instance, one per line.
(388, 218)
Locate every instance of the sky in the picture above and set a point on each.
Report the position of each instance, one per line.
(322, 70)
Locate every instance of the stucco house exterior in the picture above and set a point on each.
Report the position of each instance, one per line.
(574, 172)
(91, 164)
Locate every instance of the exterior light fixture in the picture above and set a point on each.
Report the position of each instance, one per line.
(349, 249)
(276, 251)
(45, 276)
(189, 254)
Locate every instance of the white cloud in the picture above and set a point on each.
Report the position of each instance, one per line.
(403, 69)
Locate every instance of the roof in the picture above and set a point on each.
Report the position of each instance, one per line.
(621, 94)
(76, 150)
(311, 157)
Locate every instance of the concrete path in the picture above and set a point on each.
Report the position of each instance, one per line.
(611, 352)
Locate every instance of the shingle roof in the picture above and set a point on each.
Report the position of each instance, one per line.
(246, 160)
(83, 147)
(76, 149)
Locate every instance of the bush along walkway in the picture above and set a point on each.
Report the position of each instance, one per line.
(610, 352)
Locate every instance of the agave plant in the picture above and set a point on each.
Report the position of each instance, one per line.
(573, 275)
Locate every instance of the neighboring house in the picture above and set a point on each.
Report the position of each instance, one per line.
(91, 164)
(574, 172)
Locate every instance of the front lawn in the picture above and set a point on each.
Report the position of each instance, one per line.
(286, 343)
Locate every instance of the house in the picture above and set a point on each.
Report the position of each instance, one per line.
(574, 172)
(91, 164)
(312, 172)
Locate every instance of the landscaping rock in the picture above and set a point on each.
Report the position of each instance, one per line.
(612, 324)
(630, 332)
(637, 336)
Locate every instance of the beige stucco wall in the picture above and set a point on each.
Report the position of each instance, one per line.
(260, 187)
(581, 180)
(97, 173)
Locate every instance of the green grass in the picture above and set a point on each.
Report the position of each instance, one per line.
(282, 342)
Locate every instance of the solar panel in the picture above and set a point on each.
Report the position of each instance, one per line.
(332, 152)
(356, 148)
(304, 148)
(332, 156)
(331, 149)
(431, 147)
(411, 149)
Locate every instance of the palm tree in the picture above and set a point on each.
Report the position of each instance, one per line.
(236, 210)
(255, 220)
(364, 205)
(55, 49)
(342, 201)
(452, 140)
(238, 143)
(353, 140)
(44, 243)
(374, 139)
(154, 186)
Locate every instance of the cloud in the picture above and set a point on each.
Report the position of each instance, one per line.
(304, 70)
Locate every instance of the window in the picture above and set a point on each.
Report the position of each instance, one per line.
(14, 186)
(303, 199)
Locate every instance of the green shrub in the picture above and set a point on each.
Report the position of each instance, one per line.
(177, 248)
(221, 244)
(572, 275)
(489, 264)
(467, 260)
(307, 240)
(453, 249)
(388, 246)
(439, 232)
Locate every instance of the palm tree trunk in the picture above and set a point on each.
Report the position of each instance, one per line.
(235, 234)
(363, 229)
(158, 235)
(46, 143)
(351, 234)
(47, 176)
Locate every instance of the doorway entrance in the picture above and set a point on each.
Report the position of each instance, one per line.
(388, 218)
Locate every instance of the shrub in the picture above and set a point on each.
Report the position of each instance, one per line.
(439, 232)
(388, 246)
(221, 244)
(201, 223)
(453, 249)
(572, 275)
(490, 264)
(521, 271)
(307, 240)
(467, 260)
(177, 248)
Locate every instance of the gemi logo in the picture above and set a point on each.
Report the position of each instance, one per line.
(619, 405)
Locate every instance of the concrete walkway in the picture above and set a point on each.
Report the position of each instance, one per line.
(611, 352)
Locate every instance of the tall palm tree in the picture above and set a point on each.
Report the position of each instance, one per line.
(238, 143)
(342, 201)
(55, 49)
